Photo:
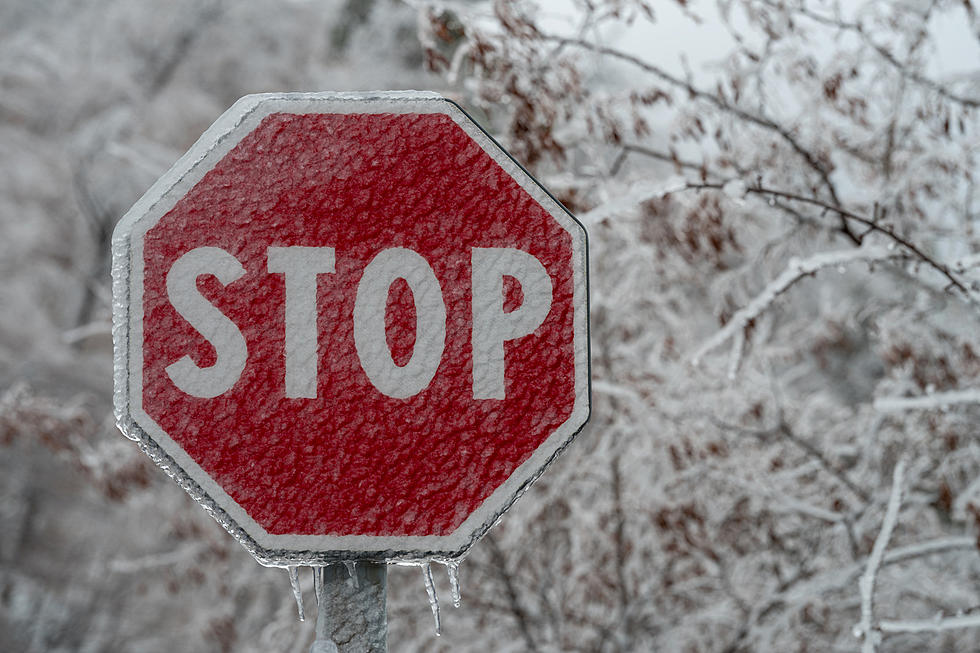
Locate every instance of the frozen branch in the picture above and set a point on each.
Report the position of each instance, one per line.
(779, 498)
(783, 429)
(158, 560)
(797, 270)
(930, 625)
(964, 498)
(930, 547)
(738, 349)
(499, 563)
(721, 103)
(837, 579)
(866, 583)
(632, 198)
(934, 401)
(961, 265)
(670, 157)
(871, 224)
(904, 69)
(85, 331)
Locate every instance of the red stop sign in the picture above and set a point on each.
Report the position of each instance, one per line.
(351, 326)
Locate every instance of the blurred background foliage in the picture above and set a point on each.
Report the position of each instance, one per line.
(781, 201)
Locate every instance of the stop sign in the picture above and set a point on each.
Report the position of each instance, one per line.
(351, 326)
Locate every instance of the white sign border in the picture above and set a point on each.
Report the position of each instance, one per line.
(127, 272)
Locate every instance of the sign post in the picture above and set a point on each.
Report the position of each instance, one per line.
(351, 612)
(351, 327)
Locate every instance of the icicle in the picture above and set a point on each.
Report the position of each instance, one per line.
(430, 589)
(352, 571)
(317, 583)
(297, 592)
(453, 569)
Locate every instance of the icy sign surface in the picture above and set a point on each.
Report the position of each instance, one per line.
(351, 326)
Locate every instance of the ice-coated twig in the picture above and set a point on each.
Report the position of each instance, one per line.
(134, 565)
(963, 499)
(459, 56)
(721, 103)
(866, 628)
(738, 348)
(872, 224)
(614, 389)
(936, 400)
(79, 333)
(930, 547)
(788, 502)
(797, 269)
(837, 579)
(632, 198)
(901, 66)
(930, 625)
(297, 591)
(961, 265)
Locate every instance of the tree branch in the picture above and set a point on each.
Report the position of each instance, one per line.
(721, 103)
(499, 563)
(873, 225)
(936, 400)
(866, 628)
(797, 270)
(886, 56)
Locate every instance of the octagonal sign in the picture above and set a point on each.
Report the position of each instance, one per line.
(351, 326)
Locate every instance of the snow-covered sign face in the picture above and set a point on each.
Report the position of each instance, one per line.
(350, 326)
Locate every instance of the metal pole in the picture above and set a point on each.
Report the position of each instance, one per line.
(352, 613)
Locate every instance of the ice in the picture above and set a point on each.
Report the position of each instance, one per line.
(297, 592)
(322, 643)
(317, 584)
(351, 566)
(430, 589)
(452, 568)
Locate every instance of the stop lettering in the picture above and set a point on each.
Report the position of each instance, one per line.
(491, 327)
